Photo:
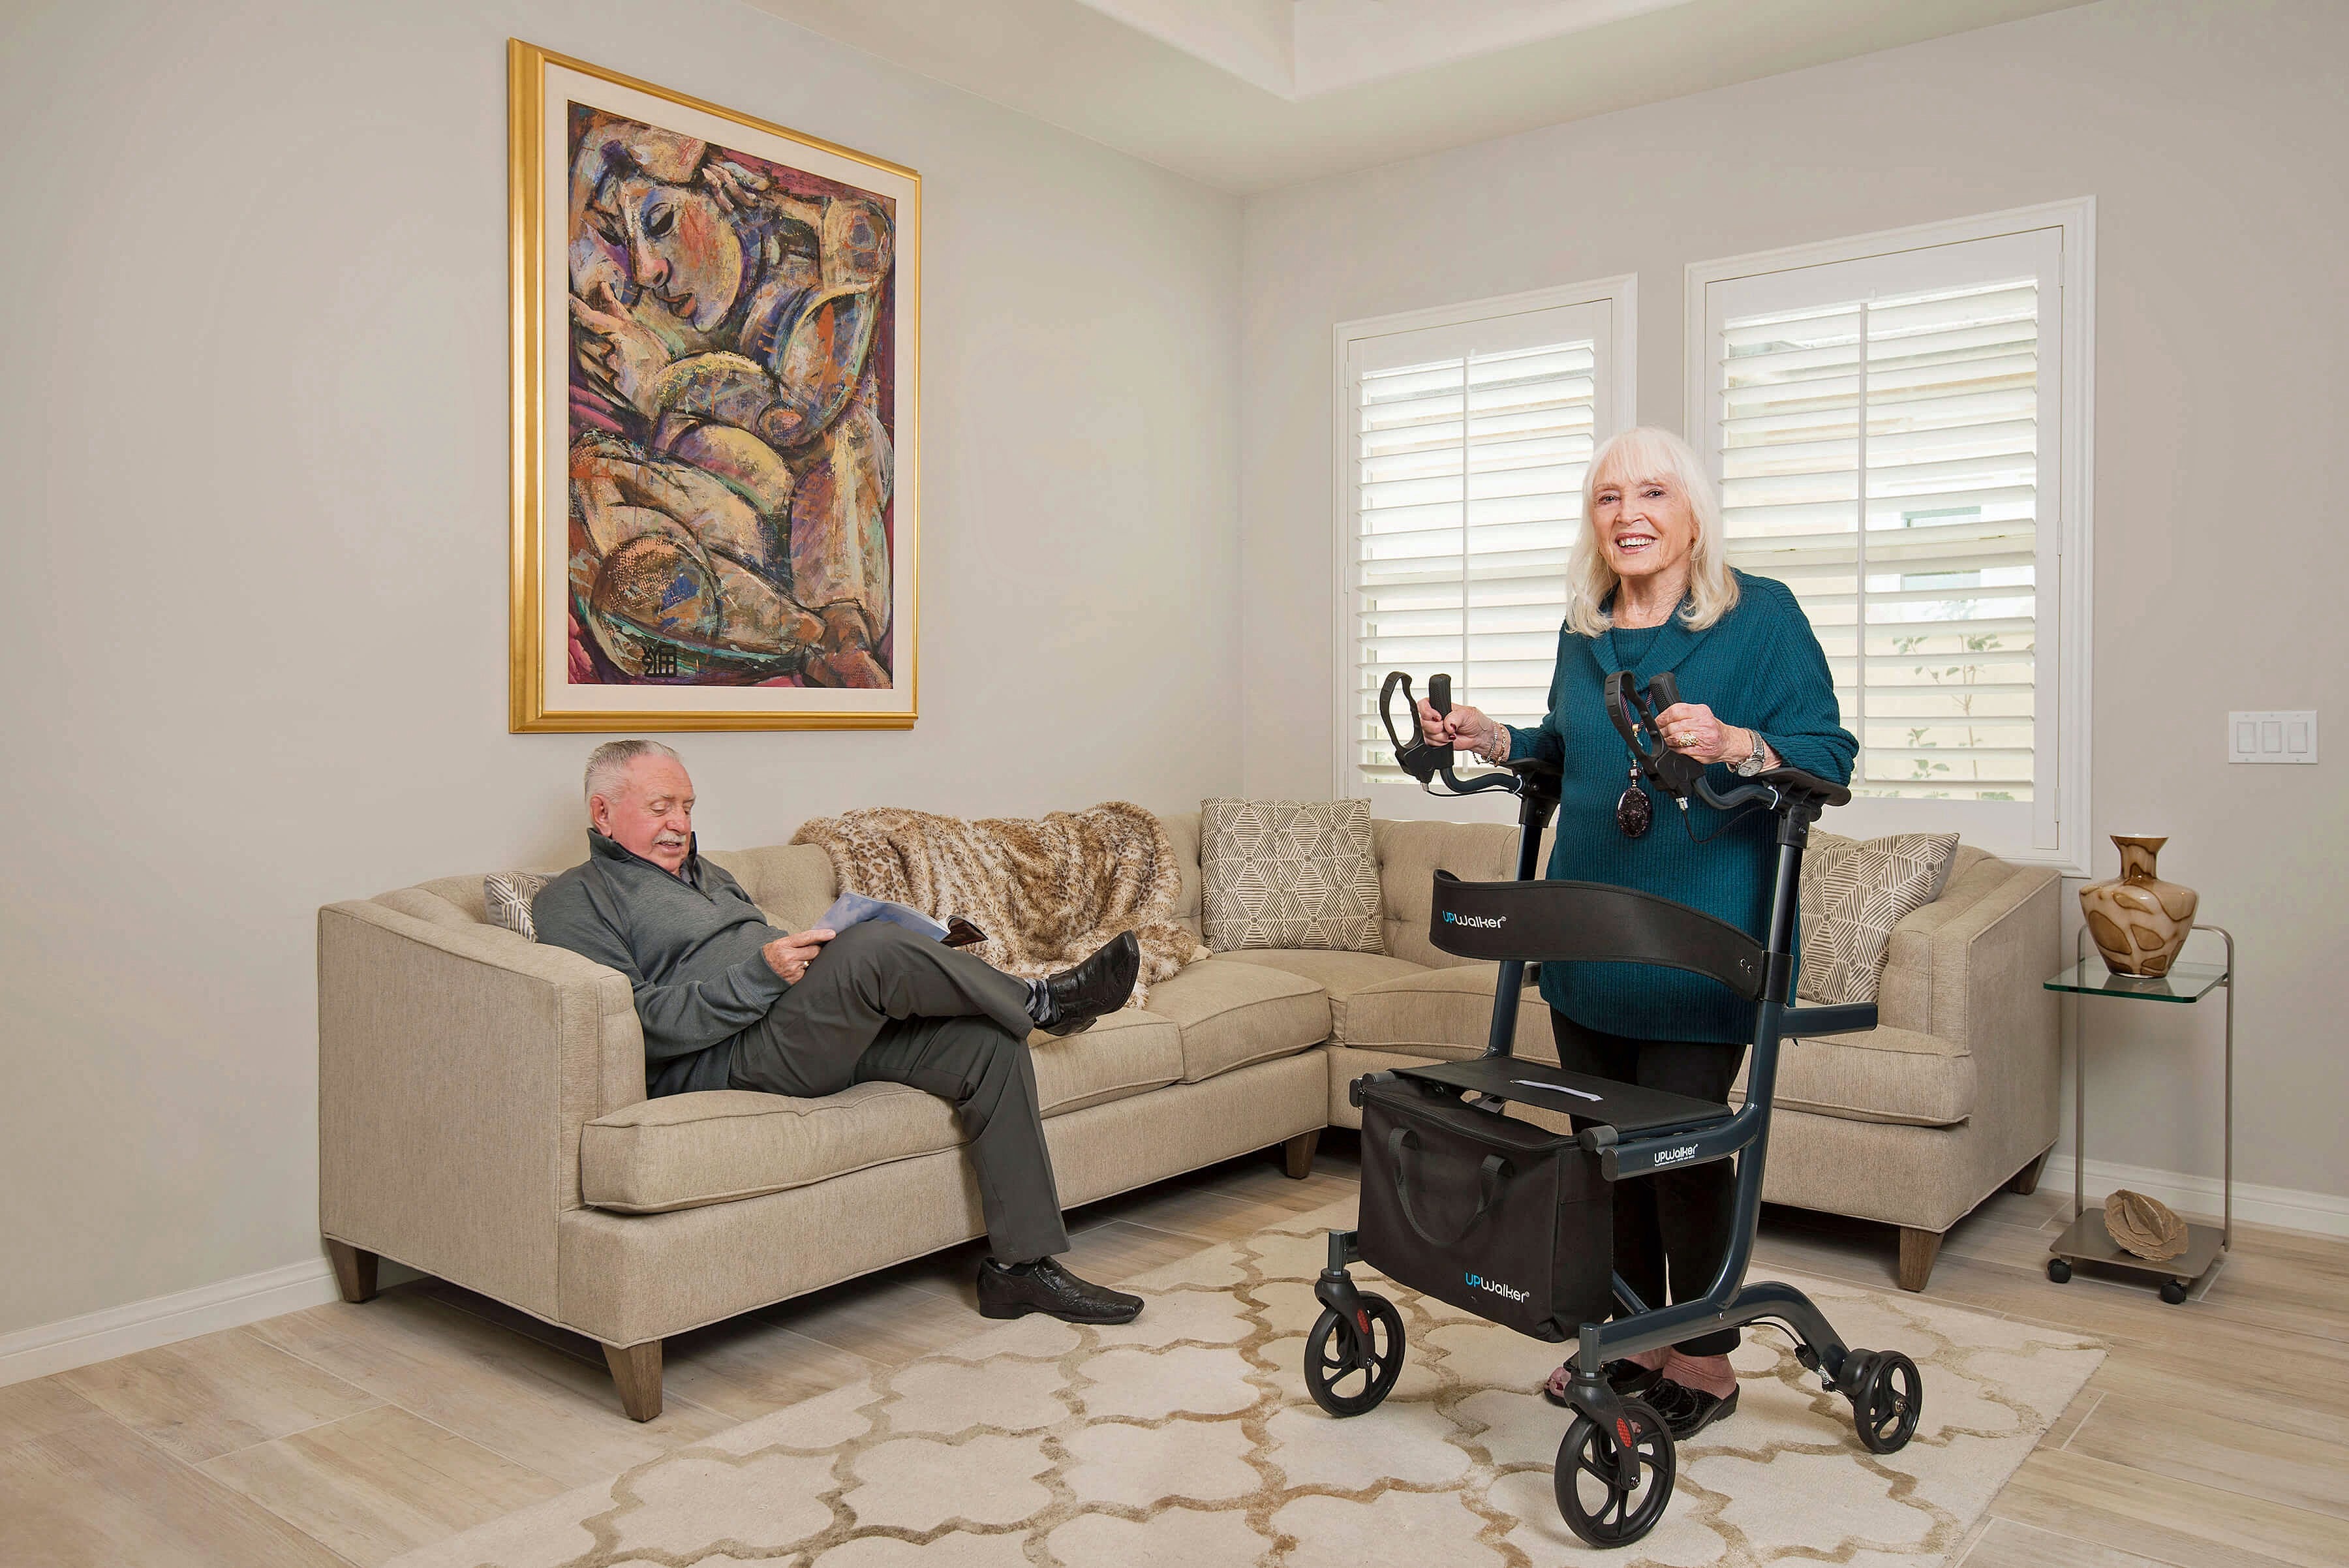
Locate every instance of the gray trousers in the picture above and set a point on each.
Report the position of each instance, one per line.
(881, 1004)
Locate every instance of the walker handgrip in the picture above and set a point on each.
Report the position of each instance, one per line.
(1439, 693)
(1413, 753)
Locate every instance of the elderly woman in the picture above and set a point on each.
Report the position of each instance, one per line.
(1648, 591)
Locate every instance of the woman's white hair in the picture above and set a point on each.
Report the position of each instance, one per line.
(1644, 451)
(608, 764)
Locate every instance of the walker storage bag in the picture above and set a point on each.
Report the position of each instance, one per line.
(1497, 1216)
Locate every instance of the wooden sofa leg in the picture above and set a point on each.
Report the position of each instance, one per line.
(1917, 1250)
(1296, 1154)
(2026, 1180)
(354, 1269)
(636, 1371)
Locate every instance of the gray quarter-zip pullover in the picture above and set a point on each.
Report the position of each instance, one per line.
(689, 944)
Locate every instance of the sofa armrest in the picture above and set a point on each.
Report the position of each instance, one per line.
(1968, 967)
(456, 1067)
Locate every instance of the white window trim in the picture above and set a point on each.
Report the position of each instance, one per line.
(2076, 427)
(1620, 294)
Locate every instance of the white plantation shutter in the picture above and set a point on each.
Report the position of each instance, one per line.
(1884, 432)
(1466, 450)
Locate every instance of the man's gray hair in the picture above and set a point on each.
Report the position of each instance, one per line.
(608, 764)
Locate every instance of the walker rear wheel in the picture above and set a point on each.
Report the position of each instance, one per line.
(1350, 1367)
(1887, 1401)
(1590, 1494)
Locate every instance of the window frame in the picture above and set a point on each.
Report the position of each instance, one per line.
(1620, 295)
(2073, 425)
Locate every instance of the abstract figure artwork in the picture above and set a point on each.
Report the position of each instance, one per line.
(716, 359)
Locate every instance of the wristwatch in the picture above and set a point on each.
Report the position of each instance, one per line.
(1755, 759)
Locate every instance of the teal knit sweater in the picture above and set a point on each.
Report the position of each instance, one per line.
(1758, 668)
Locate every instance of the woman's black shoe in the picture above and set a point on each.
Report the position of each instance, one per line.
(1628, 1378)
(1044, 1286)
(1100, 984)
(1688, 1411)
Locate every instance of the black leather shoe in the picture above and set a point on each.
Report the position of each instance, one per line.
(1688, 1411)
(1044, 1286)
(1628, 1380)
(1100, 984)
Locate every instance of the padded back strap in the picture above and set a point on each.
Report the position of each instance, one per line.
(1590, 922)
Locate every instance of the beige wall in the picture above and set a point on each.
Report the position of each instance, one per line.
(2212, 136)
(254, 416)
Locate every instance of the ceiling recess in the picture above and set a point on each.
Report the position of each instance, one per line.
(1250, 95)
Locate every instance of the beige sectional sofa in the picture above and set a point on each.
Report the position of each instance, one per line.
(482, 1114)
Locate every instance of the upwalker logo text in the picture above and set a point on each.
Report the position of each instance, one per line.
(1481, 922)
(1479, 1282)
(1674, 1156)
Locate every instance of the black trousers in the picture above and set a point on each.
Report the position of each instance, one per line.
(881, 1004)
(1672, 1226)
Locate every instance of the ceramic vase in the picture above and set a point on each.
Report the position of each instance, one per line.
(2139, 922)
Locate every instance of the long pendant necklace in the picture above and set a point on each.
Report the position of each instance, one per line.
(1633, 810)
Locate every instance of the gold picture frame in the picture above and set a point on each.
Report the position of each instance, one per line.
(721, 563)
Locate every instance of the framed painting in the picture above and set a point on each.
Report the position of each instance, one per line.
(716, 428)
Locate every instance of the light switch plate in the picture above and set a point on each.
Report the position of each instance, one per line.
(2280, 737)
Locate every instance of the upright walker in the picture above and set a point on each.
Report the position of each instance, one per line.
(1507, 1219)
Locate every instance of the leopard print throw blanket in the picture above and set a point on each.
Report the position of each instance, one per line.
(1047, 893)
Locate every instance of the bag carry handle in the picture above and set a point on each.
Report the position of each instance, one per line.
(1488, 1187)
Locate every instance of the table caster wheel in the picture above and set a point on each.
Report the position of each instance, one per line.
(2173, 1290)
(1350, 1367)
(1596, 1506)
(1887, 1403)
(2059, 1271)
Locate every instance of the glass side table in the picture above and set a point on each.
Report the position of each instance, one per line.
(2087, 1240)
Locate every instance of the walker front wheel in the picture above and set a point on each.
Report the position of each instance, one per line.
(1590, 1492)
(1887, 1402)
(1350, 1367)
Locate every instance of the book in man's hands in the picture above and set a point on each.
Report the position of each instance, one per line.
(856, 909)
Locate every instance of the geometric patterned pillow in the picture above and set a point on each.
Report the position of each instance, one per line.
(1852, 895)
(506, 897)
(1288, 874)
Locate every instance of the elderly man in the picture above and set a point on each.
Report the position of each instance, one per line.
(727, 1002)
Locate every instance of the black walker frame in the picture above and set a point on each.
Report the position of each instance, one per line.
(1621, 1442)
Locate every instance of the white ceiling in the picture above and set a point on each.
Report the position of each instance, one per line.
(1249, 95)
(1299, 49)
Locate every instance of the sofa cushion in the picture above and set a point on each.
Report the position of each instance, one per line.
(1411, 853)
(683, 1151)
(1182, 833)
(1882, 1076)
(1340, 975)
(1852, 896)
(1439, 1012)
(1129, 1052)
(791, 883)
(1232, 1013)
(686, 1151)
(1288, 874)
(506, 898)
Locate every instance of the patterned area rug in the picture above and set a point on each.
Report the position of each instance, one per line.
(1186, 1439)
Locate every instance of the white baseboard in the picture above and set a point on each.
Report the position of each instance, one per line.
(2288, 1208)
(230, 1303)
(143, 1325)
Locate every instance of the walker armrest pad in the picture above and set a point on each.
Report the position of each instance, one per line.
(1844, 1018)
